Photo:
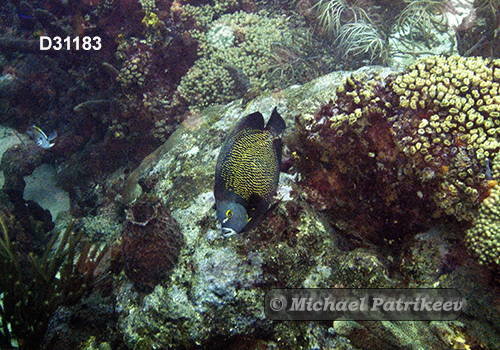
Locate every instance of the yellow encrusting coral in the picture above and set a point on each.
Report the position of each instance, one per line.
(484, 237)
(422, 141)
(454, 106)
(136, 68)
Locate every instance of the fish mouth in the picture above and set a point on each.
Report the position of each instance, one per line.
(227, 232)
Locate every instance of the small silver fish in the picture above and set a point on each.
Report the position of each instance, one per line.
(40, 138)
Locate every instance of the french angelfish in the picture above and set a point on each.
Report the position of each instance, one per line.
(247, 171)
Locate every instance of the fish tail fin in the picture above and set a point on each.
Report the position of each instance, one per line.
(276, 124)
(52, 135)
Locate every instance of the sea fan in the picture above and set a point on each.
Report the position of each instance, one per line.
(333, 14)
(361, 38)
(419, 19)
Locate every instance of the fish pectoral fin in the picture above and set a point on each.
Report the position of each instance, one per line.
(254, 202)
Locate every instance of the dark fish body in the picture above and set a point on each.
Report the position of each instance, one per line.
(247, 171)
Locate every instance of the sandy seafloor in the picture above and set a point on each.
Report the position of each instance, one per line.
(41, 185)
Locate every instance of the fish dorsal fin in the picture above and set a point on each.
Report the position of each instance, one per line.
(251, 121)
(276, 125)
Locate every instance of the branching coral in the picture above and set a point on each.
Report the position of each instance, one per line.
(224, 71)
(221, 36)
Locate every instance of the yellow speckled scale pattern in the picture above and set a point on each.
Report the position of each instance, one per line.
(251, 166)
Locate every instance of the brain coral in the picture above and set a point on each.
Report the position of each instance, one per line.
(400, 150)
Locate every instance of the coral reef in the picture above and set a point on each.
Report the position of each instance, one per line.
(369, 175)
(476, 33)
(221, 36)
(137, 66)
(27, 222)
(349, 147)
(402, 334)
(83, 323)
(245, 53)
(35, 84)
(228, 72)
(147, 5)
(455, 103)
(356, 27)
(298, 58)
(361, 38)
(416, 142)
(428, 256)
(202, 16)
(20, 161)
(213, 298)
(389, 31)
(420, 20)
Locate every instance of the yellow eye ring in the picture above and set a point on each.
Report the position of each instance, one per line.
(229, 213)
